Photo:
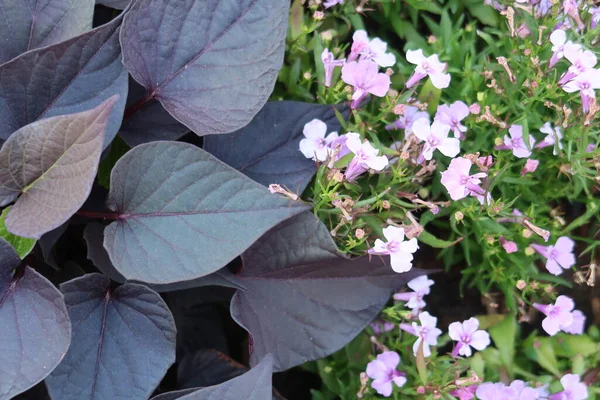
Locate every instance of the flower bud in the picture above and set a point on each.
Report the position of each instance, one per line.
(521, 284)
(318, 15)
(529, 251)
(359, 233)
(458, 216)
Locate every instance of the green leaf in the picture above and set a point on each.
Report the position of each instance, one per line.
(421, 366)
(430, 95)
(504, 334)
(22, 245)
(432, 241)
(478, 365)
(485, 14)
(545, 356)
(571, 345)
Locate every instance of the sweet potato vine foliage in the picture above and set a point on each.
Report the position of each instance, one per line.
(71, 99)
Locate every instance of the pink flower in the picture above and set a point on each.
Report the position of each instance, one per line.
(383, 372)
(558, 315)
(509, 246)
(329, 62)
(515, 142)
(365, 157)
(400, 250)
(553, 135)
(435, 137)
(452, 116)
(578, 325)
(494, 391)
(486, 161)
(459, 183)
(524, 392)
(558, 257)
(427, 66)
(464, 393)
(571, 8)
(574, 389)
(585, 83)
(380, 327)
(331, 3)
(581, 61)
(595, 11)
(315, 145)
(427, 333)
(370, 50)
(406, 121)
(421, 288)
(467, 336)
(364, 75)
(475, 108)
(530, 166)
(558, 38)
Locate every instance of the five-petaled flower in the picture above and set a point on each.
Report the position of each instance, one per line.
(414, 300)
(558, 315)
(383, 372)
(329, 63)
(553, 136)
(365, 157)
(574, 389)
(459, 183)
(370, 50)
(467, 335)
(559, 256)
(586, 84)
(581, 61)
(364, 75)
(400, 250)
(315, 145)
(514, 141)
(426, 333)
(435, 137)
(427, 66)
(452, 116)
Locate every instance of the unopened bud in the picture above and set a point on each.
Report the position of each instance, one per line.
(318, 15)
(421, 390)
(359, 233)
(489, 239)
(327, 35)
(389, 72)
(458, 216)
(474, 108)
(431, 39)
(548, 289)
(526, 233)
(529, 251)
(521, 284)
(307, 75)
(385, 205)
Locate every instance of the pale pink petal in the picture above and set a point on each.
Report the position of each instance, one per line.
(421, 128)
(565, 303)
(450, 147)
(353, 142)
(377, 163)
(415, 56)
(470, 326)
(400, 380)
(553, 267)
(393, 233)
(455, 330)
(379, 84)
(440, 80)
(480, 340)
(409, 246)
(315, 129)
(551, 326)
(377, 369)
(391, 359)
(383, 387)
(564, 244)
(401, 262)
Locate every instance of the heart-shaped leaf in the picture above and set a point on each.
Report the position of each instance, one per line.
(302, 300)
(207, 367)
(69, 77)
(50, 165)
(267, 149)
(39, 23)
(149, 122)
(123, 341)
(182, 214)
(253, 385)
(212, 64)
(34, 325)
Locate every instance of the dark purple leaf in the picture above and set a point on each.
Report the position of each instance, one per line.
(48, 242)
(267, 149)
(207, 367)
(303, 301)
(37, 23)
(123, 342)
(182, 214)
(211, 63)
(118, 4)
(253, 385)
(50, 166)
(149, 122)
(35, 327)
(69, 77)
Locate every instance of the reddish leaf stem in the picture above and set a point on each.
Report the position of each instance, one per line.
(100, 215)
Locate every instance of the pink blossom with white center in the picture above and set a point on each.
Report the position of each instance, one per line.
(435, 137)
(495, 391)
(421, 288)
(427, 66)
(558, 38)
(553, 136)
(524, 392)
(315, 145)
(530, 166)
(459, 183)
(581, 61)
(426, 333)
(467, 335)
(370, 50)
(558, 315)
(595, 11)
(578, 325)
(383, 372)
(452, 116)
(574, 389)
(400, 250)
(586, 83)
(331, 3)
(364, 75)
(406, 121)
(516, 143)
(559, 256)
(329, 62)
(365, 157)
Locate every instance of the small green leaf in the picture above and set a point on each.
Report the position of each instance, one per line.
(432, 241)
(545, 356)
(504, 334)
(22, 245)
(421, 366)
(571, 345)
(478, 365)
